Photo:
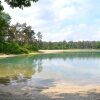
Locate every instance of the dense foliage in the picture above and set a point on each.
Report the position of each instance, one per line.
(1, 7)
(18, 38)
(71, 45)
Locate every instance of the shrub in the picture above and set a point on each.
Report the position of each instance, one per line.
(12, 48)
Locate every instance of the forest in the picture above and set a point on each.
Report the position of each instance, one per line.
(71, 45)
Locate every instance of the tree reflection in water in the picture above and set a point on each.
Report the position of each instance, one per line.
(18, 71)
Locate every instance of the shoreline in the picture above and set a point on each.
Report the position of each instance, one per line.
(14, 55)
(68, 50)
(4, 55)
(51, 52)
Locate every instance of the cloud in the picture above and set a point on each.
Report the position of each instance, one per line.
(60, 20)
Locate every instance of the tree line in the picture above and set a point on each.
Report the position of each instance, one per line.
(71, 45)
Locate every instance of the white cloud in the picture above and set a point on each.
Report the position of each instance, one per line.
(66, 13)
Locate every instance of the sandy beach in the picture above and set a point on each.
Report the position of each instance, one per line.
(5, 55)
(69, 50)
(13, 55)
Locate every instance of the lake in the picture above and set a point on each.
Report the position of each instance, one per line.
(45, 70)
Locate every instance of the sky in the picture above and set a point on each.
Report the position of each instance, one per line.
(59, 20)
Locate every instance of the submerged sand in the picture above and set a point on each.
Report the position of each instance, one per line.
(71, 89)
(57, 92)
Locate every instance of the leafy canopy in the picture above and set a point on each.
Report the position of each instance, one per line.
(4, 24)
(19, 3)
(1, 7)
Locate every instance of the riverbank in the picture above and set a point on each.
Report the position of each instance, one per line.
(69, 50)
(13, 55)
(50, 52)
(5, 55)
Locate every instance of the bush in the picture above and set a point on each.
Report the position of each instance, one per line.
(23, 50)
(12, 48)
(31, 47)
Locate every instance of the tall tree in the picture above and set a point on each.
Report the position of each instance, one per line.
(4, 24)
(1, 7)
(39, 39)
(21, 33)
(39, 36)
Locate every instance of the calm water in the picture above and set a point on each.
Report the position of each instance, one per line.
(49, 69)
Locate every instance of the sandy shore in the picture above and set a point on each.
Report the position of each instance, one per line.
(4, 55)
(69, 50)
(50, 52)
(13, 55)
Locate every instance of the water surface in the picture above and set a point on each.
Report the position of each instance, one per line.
(49, 69)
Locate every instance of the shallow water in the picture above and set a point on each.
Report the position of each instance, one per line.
(45, 70)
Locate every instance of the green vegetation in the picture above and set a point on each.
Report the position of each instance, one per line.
(70, 45)
(18, 38)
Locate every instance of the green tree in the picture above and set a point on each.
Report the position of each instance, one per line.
(39, 40)
(1, 7)
(39, 36)
(4, 24)
(19, 3)
(21, 33)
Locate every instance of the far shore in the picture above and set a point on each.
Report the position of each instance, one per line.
(51, 52)
(68, 50)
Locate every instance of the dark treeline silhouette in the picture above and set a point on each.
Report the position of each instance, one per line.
(71, 45)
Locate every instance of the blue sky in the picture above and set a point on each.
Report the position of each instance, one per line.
(58, 20)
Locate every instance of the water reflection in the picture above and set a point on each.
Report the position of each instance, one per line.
(80, 67)
(18, 69)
